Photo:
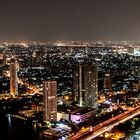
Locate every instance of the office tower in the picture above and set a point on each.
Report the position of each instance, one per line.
(87, 50)
(50, 100)
(137, 85)
(85, 84)
(13, 78)
(2, 59)
(107, 82)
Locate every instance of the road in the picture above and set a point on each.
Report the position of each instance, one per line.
(106, 125)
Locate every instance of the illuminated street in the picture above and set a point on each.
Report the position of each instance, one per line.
(107, 125)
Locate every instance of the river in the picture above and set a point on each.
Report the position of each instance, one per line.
(16, 129)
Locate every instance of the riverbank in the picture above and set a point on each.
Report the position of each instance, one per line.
(12, 128)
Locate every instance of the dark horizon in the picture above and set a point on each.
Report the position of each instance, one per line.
(52, 20)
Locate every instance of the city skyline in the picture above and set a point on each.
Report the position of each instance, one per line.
(69, 20)
(72, 90)
(70, 69)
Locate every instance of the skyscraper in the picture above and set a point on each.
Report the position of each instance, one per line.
(107, 82)
(50, 100)
(86, 84)
(13, 78)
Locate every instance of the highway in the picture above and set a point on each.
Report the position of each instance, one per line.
(107, 125)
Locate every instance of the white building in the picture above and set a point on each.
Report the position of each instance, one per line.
(50, 100)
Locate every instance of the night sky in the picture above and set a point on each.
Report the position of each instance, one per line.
(69, 20)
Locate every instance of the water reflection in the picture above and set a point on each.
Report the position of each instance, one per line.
(35, 127)
(9, 120)
(15, 129)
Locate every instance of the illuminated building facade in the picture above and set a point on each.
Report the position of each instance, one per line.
(50, 100)
(82, 114)
(86, 84)
(107, 82)
(13, 78)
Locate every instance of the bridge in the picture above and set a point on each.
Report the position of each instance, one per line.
(107, 125)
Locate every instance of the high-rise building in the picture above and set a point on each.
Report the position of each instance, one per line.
(107, 82)
(13, 78)
(85, 84)
(2, 59)
(50, 100)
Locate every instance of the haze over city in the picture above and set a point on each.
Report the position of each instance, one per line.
(43, 20)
